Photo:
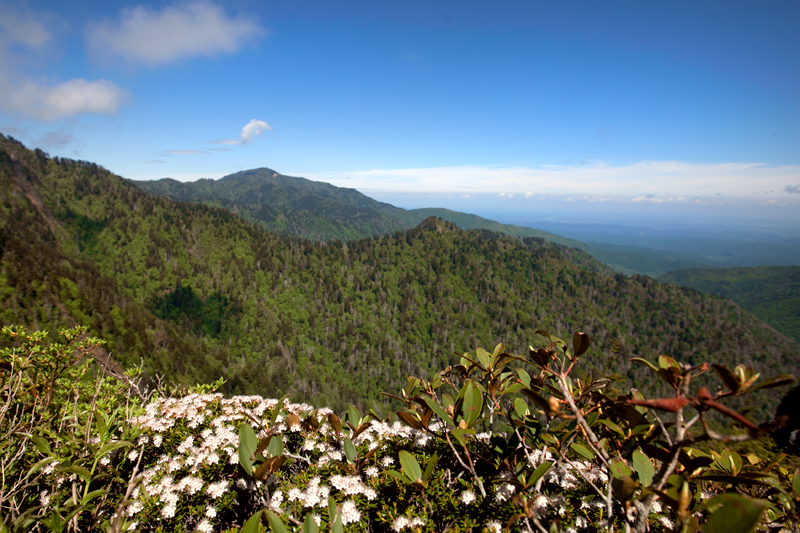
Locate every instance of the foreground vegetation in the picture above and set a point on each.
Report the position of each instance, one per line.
(498, 442)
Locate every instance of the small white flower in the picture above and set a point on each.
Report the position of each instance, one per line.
(350, 512)
(205, 526)
(211, 512)
(372, 471)
(467, 497)
(400, 523)
(494, 526)
(387, 461)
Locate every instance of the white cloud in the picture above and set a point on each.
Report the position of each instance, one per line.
(151, 37)
(647, 181)
(22, 28)
(250, 131)
(21, 35)
(52, 102)
(253, 129)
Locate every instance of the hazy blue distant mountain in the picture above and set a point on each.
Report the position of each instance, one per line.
(772, 293)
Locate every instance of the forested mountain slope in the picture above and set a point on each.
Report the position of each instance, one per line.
(198, 293)
(291, 206)
(772, 293)
(319, 211)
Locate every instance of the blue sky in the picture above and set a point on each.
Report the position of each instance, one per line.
(637, 106)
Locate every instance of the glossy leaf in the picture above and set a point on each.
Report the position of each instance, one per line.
(253, 524)
(582, 450)
(727, 377)
(276, 525)
(461, 434)
(643, 467)
(645, 362)
(310, 525)
(350, 451)
(536, 398)
(619, 469)
(431, 402)
(247, 446)
(735, 514)
(580, 343)
(275, 446)
(473, 403)
(540, 471)
(410, 466)
(409, 419)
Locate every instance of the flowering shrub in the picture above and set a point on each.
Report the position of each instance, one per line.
(483, 446)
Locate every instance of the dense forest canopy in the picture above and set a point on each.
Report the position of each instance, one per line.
(198, 293)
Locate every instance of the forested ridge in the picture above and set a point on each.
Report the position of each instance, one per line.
(198, 293)
(772, 293)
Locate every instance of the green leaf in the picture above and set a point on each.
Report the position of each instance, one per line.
(461, 434)
(796, 483)
(429, 467)
(521, 407)
(310, 525)
(644, 468)
(644, 362)
(276, 525)
(410, 466)
(92, 495)
(582, 450)
(275, 446)
(247, 446)
(353, 415)
(338, 527)
(41, 444)
(434, 405)
(536, 398)
(109, 446)
(79, 470)
(539, 472)
(398, 476)
(665, 361)
(727, 377)
(524, 377)
(777, 381)
(483, 357)
(611, 425)
(619, 469)
(350, 451)
(473, 403)
(253, 524)
(735, 514)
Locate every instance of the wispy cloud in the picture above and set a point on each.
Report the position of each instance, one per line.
(647, 181)
(52, 102)
(21, 33)
(178, 177)
(155, 161)
(184, 152)
(250, 131)
(157, 37)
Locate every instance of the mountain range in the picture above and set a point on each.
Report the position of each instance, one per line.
(195, 291)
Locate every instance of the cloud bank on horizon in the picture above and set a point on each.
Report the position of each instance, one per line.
(642, 182)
